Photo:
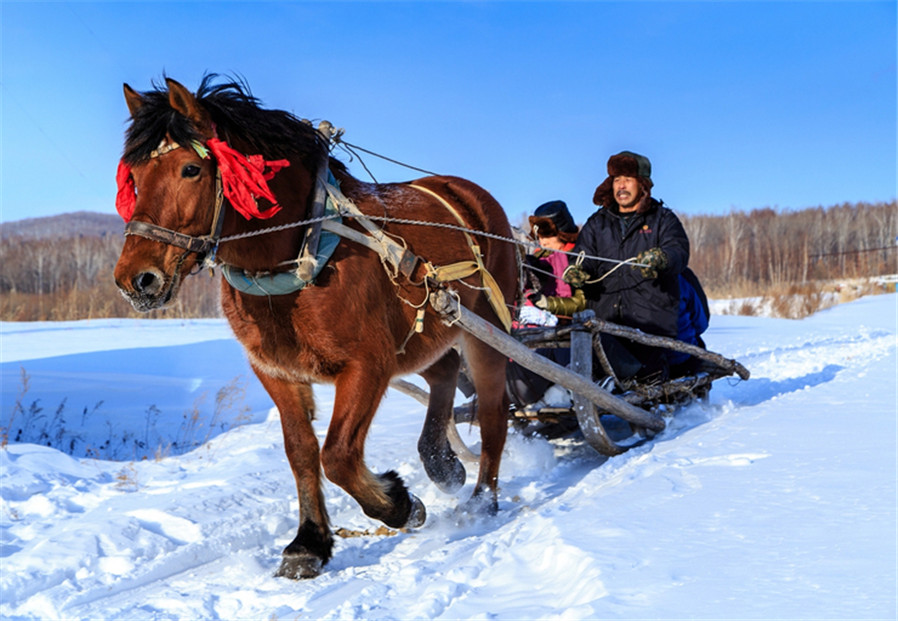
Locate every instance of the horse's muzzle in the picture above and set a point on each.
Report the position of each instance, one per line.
(149, 290)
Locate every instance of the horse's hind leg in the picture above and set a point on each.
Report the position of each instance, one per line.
(440, 461)
(487, 368)
(312, 547)
(359, 389)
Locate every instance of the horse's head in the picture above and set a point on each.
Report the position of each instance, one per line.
(177, 175)
(170, 188)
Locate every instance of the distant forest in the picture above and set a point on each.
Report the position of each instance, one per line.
(60, 268)
(750, 253)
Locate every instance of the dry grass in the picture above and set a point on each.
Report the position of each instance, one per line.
(72, 433)
(199, 298)
(797, 301)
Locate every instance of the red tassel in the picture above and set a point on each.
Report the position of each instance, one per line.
(244, 179)
(126, 197)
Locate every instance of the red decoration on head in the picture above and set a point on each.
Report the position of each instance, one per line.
(243, 179)
(126, 197)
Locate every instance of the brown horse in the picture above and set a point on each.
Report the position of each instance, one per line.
(201, 169)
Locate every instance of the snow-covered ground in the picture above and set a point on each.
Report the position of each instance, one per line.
(775, 500)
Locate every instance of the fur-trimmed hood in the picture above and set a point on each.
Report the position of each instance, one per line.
(553, 219)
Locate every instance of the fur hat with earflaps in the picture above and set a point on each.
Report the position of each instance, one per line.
(552, 219)
(625, 164)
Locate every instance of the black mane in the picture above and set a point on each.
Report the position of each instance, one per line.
(238, 118)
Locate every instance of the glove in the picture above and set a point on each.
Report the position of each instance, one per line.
(566, 306)
(575, 276)
(558, 305)
(654, 260)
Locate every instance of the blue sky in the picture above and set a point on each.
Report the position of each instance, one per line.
(739, 105)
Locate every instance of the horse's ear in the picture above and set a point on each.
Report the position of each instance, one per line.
(133, 99)
(183, 101)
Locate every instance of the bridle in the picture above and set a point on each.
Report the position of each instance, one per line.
(242, 179)
(204, 245)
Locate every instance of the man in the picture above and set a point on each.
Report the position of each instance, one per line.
(631, 225)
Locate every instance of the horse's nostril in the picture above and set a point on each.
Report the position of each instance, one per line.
(146, 282)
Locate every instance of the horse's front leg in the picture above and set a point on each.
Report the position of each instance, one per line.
(359, 389)
(312, 547)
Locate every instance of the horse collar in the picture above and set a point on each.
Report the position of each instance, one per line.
(297, 279)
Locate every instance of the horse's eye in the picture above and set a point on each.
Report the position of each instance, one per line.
(190, 170)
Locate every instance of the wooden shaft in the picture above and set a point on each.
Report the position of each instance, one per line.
(445, 304)
(549, 337)
(668, 343)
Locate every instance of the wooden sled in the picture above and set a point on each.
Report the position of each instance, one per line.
(640, 405)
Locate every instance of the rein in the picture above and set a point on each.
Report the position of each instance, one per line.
(439, 225)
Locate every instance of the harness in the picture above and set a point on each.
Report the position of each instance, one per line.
(462, 269)
(400, 260)
(283, 283)
(320, 239)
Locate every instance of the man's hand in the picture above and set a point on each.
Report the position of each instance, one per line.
(654, 260)
(575, 276)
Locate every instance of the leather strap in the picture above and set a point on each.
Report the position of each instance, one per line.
(200, 245)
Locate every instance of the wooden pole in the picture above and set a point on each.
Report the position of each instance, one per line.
(448, 306)
(664, 342)
(306, 266)
(423, 397)
(588, 416)
(549, 337)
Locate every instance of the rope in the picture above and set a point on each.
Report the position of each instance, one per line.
(631, 261)
(354, 155)
(454, 227)
(536, 270)
(282, 227)
(350, 148)
(383, 157)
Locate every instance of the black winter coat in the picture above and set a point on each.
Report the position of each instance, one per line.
(626, 296)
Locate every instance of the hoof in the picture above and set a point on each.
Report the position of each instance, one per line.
(418, 514)
(300, 566)
(447, 473)
(481, 503)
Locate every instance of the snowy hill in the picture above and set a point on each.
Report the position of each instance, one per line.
(775, 500)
